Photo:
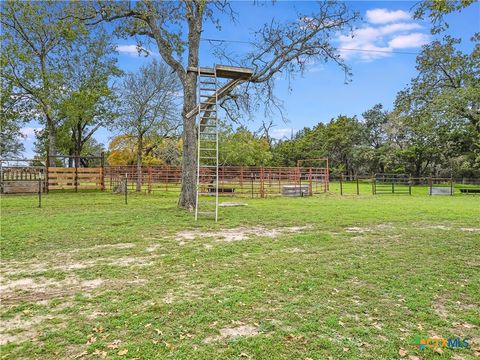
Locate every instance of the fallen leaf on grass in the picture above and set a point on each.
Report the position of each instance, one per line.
(438, 351)
(414, 357)
(82, 354)
(123, 352)
(346, 349)
(293, 337)
(102, 354)
(159, 332)
(114, 344)
(402, 352)
(169, 346)
(98, 329)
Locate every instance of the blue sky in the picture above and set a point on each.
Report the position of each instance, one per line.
(321, 94)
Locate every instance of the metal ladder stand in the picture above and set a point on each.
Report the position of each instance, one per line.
(207, 145)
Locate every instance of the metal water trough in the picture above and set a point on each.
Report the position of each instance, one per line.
(441, 190)
(295, 190)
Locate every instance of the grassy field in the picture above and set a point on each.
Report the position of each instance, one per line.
(327, 277)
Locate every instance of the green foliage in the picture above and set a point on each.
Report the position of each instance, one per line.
(35, 45)
(10, 134)
(437, 9)
(242, 147)
(89, 101)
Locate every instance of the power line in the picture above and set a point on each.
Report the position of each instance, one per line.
(338, 48)
(380, 51)
(232, 41)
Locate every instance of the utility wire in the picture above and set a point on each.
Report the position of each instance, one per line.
(339, 48)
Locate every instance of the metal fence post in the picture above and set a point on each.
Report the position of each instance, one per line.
(310, 184)
(40, 191)
(251, 180)
(46, 173)
(102, 162)
(262, 189)
(126, 188)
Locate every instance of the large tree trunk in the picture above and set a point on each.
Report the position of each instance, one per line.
(52, 144)
(189, 164)
(139, 163)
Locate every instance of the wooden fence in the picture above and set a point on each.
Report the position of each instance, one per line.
(66, 178)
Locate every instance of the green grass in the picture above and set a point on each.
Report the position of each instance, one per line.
(364, 278)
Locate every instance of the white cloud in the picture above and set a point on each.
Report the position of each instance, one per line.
(385, 16)
(29, 132)
(408, 41)
(133, 50)
(372, 42)
(282, 133)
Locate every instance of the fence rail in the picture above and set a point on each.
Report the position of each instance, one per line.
(233, 180)
(237, 180)
(65, 178)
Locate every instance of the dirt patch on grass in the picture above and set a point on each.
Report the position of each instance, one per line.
(439, 307)
(47, 289)
(43, 289)
(366, 229)
(68, 265)
(19, 329)
(238, 234)
(294, 250)
(118, 246)
(230, 333)
(474, 230)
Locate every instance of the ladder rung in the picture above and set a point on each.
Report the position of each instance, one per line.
(208, 89)
(207, 96)
(206, 212)
(208, 82)
(208, 157)
(205, 133)
(207, 125)
(208, 166)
